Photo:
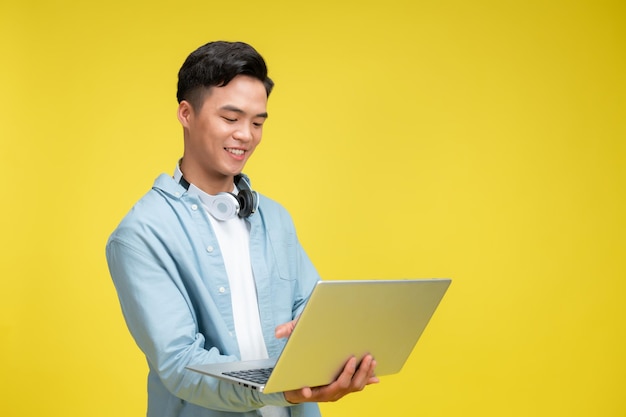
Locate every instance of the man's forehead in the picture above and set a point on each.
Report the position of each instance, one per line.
(240, 95)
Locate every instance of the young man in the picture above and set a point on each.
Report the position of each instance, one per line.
(207, 270)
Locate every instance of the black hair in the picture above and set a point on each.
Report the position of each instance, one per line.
(215, 64)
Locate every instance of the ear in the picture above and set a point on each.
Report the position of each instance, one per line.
(185, 112)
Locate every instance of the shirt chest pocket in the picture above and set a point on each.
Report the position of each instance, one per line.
(284, 253)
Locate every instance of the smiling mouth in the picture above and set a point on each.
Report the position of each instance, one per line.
(235, 151)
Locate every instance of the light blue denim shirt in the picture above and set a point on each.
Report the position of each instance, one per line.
(166, 264)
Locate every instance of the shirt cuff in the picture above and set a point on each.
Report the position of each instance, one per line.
(277, 399)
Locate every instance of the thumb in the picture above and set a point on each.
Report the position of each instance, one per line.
(285, 329)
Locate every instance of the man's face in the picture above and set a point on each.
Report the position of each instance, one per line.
(224, 132)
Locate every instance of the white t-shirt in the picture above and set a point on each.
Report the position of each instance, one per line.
(233, 237)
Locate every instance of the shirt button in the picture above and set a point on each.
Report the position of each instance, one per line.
(209, 249)
(177, 194)
(194, 207)
(222, 290)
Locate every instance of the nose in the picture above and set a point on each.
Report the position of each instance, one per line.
(243, 133)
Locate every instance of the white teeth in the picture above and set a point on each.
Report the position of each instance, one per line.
(235, 151)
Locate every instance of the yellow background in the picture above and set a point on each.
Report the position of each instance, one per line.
(478, 140)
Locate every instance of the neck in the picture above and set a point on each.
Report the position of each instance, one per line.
(205, 182)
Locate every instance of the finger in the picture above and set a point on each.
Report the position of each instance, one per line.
(373, 379)
(365, 372)
(285, 329)
(299, 395)
(281, 331)
(345, 378)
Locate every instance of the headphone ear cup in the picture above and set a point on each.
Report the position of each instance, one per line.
(247, 203)
(224, 206)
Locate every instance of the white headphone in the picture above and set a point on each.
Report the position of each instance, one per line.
(226, 205)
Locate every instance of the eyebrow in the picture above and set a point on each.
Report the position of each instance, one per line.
(229, 107)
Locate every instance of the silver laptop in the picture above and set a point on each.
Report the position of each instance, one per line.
(343, 319)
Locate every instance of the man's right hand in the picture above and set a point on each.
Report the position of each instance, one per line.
(351, 379)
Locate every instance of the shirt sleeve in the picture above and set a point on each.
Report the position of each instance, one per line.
(158, 314)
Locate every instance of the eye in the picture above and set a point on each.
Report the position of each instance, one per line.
(258, 122)
(229, 120)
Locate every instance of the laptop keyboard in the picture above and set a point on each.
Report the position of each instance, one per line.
(258, 376)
